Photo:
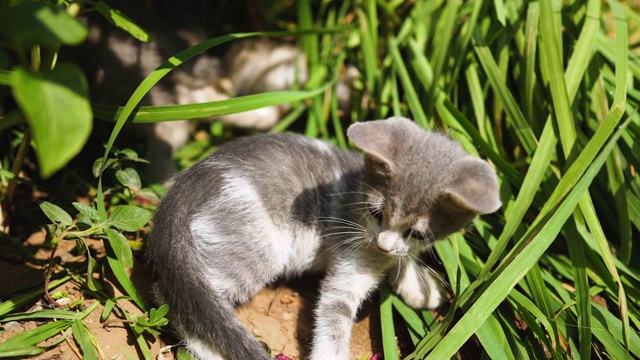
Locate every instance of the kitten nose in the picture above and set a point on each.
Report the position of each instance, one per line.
(386, 240)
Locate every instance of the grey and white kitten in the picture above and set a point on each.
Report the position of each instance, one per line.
(274, 206)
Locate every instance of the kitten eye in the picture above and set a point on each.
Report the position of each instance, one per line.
(376, 214)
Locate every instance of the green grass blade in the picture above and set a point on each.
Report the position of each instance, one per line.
(559, 96)
(498, 83)
(386, 322)
(38, 335)
(583, 298)
(82, 336)
(410, 92)
(152, 114)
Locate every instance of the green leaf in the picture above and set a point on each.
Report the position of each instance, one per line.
(128, 218)
(56, 214)
(22, 351)
(43, 314)
(386, 322)
(97, 165)
(57, 109)
(92, 283)
(146, 114)
(157, 316)
(117, 18)
(86, 210)
(129, 177)
(123, 278)
(82, 336)
(148, 194)
(131, 155)
(35, 336)
(33, 23)
(120, 247)
(108, 308)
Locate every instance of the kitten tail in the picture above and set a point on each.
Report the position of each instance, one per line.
(201, 317)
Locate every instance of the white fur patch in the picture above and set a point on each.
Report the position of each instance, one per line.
(239, 199)
(201, 350)
(417, 286)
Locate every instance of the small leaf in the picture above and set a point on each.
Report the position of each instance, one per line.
(128, 218)
(148, 195)
(162, 311)
(86, 210)
(81, 246)
(160, 322)
(95, 169)
(92, 283)
(108, 308)
(152, 331)
(117, 18)
(83, 222)
(32, 23)
(138, 329)
(121, 247)
(56, 214)
(142, 321)
(56, 106)
(129, 154)
(129, 178)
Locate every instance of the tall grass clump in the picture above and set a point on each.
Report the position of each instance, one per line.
(544, 90)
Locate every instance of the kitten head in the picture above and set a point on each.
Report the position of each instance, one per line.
(420, 186)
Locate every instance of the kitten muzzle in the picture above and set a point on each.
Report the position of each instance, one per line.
(391, 242)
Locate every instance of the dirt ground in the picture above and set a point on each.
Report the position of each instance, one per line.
(281, 316)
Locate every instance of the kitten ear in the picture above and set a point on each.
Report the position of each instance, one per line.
(475, 187)
(377, 139)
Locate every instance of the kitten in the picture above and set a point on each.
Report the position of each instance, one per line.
(274, 206)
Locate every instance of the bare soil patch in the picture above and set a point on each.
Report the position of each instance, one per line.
(281, 316)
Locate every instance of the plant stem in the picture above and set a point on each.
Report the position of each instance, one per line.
(47, 277)
(17, 166)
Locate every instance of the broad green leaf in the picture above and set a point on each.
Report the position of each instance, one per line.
(117, 18)
(33, 23)
(120, 247)
(57, 109)
(128, 218)
(129, 177)
(56, 214)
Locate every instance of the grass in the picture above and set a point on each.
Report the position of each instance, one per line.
(545, 91)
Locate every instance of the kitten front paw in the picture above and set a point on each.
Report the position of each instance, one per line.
(418, 298)
(417, 287)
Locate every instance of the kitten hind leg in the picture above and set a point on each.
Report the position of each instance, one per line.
(416, 285)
